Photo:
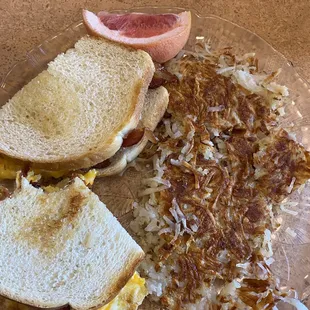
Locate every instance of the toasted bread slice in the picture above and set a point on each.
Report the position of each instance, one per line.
(155, 105)
(63, 247)
(75, 114)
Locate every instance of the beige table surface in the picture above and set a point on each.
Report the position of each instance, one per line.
(283, 23)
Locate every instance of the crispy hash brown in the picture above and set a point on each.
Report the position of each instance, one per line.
(221, 168)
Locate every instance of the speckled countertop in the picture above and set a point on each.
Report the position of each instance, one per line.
(283, 23)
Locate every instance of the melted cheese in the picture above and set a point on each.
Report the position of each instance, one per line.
(9, 168)
(130, 297)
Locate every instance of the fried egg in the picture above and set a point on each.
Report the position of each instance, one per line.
(130, 297)
(9, 168)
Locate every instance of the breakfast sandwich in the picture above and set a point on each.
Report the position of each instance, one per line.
(79, 112)
(155, 104)
(65, 247)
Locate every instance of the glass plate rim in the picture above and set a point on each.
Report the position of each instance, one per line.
(193, 10)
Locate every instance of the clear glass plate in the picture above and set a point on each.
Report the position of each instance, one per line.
(292, 254)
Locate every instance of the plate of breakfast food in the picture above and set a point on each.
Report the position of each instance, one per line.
(154, 158)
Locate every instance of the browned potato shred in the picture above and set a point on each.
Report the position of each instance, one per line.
(229, 165)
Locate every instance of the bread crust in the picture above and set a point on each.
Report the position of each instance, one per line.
(122, 158)
(151, 115)
(122, 281)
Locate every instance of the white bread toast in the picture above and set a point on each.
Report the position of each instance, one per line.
(76, 113)
(63, 247)
(155, 105)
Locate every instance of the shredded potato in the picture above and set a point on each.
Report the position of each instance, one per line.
(222, 166)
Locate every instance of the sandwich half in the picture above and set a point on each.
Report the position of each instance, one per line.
(154, 107)
(63, 247)
(75, 114)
